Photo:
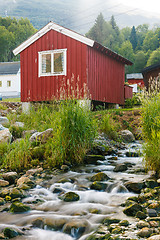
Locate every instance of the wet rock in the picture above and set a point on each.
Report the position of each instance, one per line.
(154, 224)
(97, 236)
(10, 233)
(55, 224)
(25, 180)
(132, 209)
(2, 201)
(34, 171)
(145, 232)
(65, 168)
(75, 228)
(132, 154)
(92, 159)
(10, 177)
(24, 186)
(99, 177)
(107, 221)
(94, 211)
(18, 207)
(116, 230)
(4, 120)
(98, 186)
(42, 136)
(134, 186)
(142, 224)
(38, 223)
(5, 136)
(3, 183)
(120, 167)
(141, 215)
(4, 192)
(124, 223)
(70, 197)
(151, 183)
(155, 237)
(127, 136)
(152, 212)
(15, 193)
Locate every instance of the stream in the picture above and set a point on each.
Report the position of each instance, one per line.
(53, 219)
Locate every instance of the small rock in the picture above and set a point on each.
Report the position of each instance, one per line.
(99, 177)
(141, 215)
(2, 201)
(98, 186)
(3, 183)
(127, 136)
(79, 227)
(34, 171)
(142, 224)
(134, 186)
(15, 193)
(132, 209)
(107, 221)
(116, 230)
(120, 168)
(10, 177)
(18, 207)
(154, 224)
(65, 168)
(5, 136)
(152, 212)
(42, 136)
(124, 223)
(70, 197)
(25, 180)
(4, 120)
(145, 232)
(151, 183)
(10, 233)
(92, 159)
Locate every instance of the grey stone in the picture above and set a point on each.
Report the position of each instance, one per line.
(4, 120)
(120, 168)
(42, 136)
(152, 213)
(5, 135)
(127, 136)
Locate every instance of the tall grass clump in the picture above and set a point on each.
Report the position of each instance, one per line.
(108, 126)
(74, 135)
(151, 128)
(18, 155)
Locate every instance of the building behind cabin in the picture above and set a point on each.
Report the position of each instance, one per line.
(10, 79)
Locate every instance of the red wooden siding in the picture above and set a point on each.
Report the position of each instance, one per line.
(34, 88)
(105, 77)
(128, 92)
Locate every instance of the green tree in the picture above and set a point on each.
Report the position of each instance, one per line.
(141, 32)
(151, 41)
(6, 41)
(126, 51)
(133, 38)
(126, 32)
(139, 61)
(154, 57)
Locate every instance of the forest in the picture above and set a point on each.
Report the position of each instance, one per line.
(140, 44)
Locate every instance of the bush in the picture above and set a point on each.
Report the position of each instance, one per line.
(109, 127)
(134, 101)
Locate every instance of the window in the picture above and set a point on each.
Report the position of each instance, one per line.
(0, 83)
(52, 63)
(8, 83)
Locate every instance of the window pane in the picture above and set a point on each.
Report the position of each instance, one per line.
(46, 63)
(0, 83)
(58, 62)
(8, 83)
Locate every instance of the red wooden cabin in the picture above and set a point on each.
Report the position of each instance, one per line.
(135, 78)
(58, 63)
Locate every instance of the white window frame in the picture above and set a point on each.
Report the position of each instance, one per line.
(64, 51)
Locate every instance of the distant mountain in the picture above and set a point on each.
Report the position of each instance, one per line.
(78, 15)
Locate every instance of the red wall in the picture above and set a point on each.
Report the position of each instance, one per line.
(34, 88)
(128, 92)
(105, 77)
(140, 82)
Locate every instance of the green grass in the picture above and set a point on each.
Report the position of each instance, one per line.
(11, 99)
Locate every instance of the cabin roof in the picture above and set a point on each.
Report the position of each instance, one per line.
(7, 68)
(134, 76)
(72, 34)
(151, 68)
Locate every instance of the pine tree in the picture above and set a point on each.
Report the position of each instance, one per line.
(133, 38)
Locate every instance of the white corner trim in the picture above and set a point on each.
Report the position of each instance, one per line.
(57, 28)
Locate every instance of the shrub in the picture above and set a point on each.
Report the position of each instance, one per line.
(109, 127)
(16, 131)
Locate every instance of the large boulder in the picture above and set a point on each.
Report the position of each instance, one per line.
(5, 135)
(42, 136)
(132, 209)
(135, 187)
(120, 167)
(127, 136)
(18, 207)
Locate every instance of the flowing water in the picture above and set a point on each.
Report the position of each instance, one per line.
(87, 213)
